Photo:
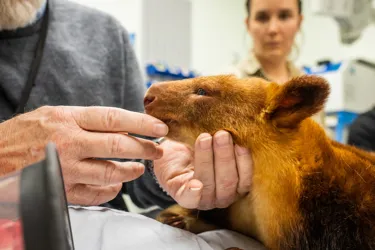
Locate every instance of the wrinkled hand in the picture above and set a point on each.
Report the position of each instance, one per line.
(82, 135)
(211, 177)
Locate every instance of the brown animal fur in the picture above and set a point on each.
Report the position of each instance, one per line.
(308, 192)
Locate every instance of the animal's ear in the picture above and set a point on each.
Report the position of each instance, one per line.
(296, 100)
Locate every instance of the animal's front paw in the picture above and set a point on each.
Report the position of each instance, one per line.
(172, 219)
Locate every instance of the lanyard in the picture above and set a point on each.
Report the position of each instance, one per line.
(35, 64)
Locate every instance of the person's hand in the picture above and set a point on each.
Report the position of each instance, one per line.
(82, 135)
(212, 177)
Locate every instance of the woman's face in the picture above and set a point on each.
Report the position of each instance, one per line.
(273, 25)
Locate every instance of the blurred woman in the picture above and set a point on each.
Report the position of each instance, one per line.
(272, 25)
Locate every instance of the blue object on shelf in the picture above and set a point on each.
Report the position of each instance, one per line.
(162, 70)
(149, 83)
(328, 67)
(344, 119)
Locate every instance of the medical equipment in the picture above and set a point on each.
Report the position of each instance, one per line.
(33, 207)
(157, 72)
(352, 85)
(352, 16)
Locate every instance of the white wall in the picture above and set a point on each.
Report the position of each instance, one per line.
(166, 32)
(218, 33)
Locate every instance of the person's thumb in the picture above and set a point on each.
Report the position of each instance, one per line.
(189, 195)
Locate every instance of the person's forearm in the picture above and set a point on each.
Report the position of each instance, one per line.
(15, 156)
(6, 166)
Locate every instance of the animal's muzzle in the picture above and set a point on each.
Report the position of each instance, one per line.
(148, 100)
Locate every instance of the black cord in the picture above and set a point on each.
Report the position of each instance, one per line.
(35, 64)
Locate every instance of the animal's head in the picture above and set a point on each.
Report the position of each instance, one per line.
(247, 108)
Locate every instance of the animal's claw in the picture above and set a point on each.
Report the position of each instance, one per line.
(173, 220)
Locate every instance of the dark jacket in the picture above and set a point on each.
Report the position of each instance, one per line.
(362, 131)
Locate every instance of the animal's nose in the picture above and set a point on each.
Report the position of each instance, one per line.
(152, 93)
(148, 100)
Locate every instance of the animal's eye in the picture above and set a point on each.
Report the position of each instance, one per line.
(201, 92)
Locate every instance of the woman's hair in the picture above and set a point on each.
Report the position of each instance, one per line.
(248, 4)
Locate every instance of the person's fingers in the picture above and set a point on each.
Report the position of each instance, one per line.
(226, 176)
(175, 181)
(104, 172)
(106, 145)
(245, 169)
(189, 194)
(107, 119)
(88, 195)
(204, 170)
(176, 161)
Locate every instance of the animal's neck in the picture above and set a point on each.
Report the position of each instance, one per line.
(275, 167)
(286, 151)
(276, 183)
(273, 192)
